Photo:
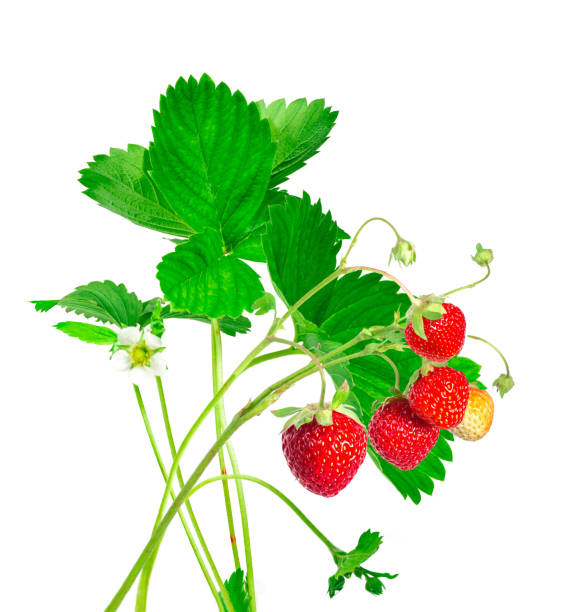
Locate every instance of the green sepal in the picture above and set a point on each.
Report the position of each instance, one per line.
(286, 412)
(403, 252)
(341, 395)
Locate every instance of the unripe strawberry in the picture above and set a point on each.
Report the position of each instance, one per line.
(440, 397)
(477, 417)
(399, 436)
(325, 458)
(444, 337)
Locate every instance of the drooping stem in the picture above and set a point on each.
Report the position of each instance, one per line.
(357, 235)
(141, 597)
(193, 520)
(331, 547)
(395, 368)
(273, 355)
(471, 284)
(494, 348)
(412, 297)
(302, 349)
(221, 418)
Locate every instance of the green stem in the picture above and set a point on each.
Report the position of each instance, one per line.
(357, 235)
(141, 597)
(331, 547)
(220, 419)
(255, 407)
(396, 372)
(273, 355)
(470, 285)
(221, 415)
(193, 519)
(412, 297)
(496, 349)
(303, 349)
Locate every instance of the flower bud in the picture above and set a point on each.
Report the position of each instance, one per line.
(403, 252)
(483, 256)
(503, 383)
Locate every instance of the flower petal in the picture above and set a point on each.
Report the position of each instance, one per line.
(121, 361)
(152, 341)
(157, 365)
(128, 336)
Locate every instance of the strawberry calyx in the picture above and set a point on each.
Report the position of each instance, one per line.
(321, 413)
(427, 306)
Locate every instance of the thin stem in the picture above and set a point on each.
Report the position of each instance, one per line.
(273, 355)
(471, 284)
(496, 349)
(193, 519)
(357, 235)
(395, 368)
(331, 547)
(218, 379)
(142, 594)
(303, 349)
(265, 399)
(412, 297)
(220, 420)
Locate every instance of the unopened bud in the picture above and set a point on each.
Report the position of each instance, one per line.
(483, 256)
(503, 383)
(403, 252)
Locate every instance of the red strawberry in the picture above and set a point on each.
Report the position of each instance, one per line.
(399, 436)
(444, 337)
(440, 397)
(325, 458)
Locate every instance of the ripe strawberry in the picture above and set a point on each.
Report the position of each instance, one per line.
(477, 417)
(444, 337)
(399, 436)
(440, 397)
(325, 458)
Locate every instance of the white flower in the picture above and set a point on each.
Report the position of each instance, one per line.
(138, 351)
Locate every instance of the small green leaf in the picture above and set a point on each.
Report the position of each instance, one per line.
(93, 334)
(368, 544)
(264, 304)
(299, 129)
(374, 585)
(212, 158)
(104, 301)
(237, 592)
(198, 277)
(44, 305)
(121, 183)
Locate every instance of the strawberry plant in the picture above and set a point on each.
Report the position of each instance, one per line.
(213, 180)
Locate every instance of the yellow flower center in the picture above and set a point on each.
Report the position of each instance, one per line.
(140, 355)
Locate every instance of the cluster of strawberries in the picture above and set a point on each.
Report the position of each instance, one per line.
(403, 430)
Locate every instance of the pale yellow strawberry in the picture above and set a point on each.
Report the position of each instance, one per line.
(477, 417)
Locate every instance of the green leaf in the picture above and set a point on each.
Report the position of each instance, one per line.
(301, 243)
(264, 304)
(121, 183)
(93, 334)
(368, 544)
(212, 158)
(102, 300)
(238, 592)
(350, 564)
(198, 277)
(299, 129)
(228, 325)
(44, 305)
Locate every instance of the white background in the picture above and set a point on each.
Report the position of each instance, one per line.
(458, 123)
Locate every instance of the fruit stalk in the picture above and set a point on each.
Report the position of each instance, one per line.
(218, 378)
